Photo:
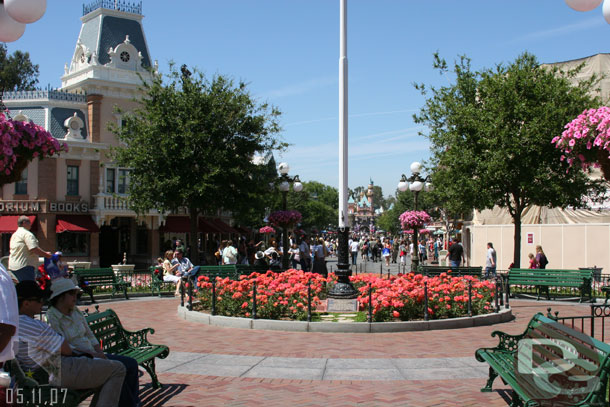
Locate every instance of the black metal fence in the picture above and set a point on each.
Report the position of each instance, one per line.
(593, 324)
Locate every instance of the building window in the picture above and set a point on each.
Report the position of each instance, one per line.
(73, 243)
(110, 180)
(123, 181)
(21, 186)
(117, 180)
(72, 180)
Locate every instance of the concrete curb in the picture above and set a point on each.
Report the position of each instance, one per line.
(504, 315)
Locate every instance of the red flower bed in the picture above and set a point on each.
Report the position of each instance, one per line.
(278, 295)
(402, 297)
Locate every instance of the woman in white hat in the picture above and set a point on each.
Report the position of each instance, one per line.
(66, 319)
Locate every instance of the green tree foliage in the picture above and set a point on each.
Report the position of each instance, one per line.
(191, 145)
(318, 203)
(490, 133)
(17, 71)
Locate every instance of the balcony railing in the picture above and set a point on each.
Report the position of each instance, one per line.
(112, 203)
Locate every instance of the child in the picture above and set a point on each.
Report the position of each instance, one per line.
(533, 262)
(55, 268)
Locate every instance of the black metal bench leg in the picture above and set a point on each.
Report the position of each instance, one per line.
(490, 380)
(125, 292)
(149, 366)
(516, 400)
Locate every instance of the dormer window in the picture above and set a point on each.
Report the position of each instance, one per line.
(74, 124)
(125, 56)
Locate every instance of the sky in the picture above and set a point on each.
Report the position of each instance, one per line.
(288, 53)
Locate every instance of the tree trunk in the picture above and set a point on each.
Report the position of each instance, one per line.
(517, 242)
(194, 254)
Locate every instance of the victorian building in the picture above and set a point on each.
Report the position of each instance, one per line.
(78, 200)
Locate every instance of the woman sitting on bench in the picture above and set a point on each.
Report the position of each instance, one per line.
(169, 272)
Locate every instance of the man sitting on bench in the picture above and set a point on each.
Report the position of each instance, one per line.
(42, 349)
(185, 267)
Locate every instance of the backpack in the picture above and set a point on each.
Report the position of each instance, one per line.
(543, 260)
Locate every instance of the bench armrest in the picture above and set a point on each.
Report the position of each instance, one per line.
(507, 342)
(139, 338)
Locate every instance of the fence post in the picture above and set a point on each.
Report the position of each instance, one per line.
(182, 292)
(593, 323)
(388, 274)
(308, 300)
(380, 269)
(506, 291)
(214, 296)
(370, 303)
(254, 300)
(469, 298)
(190, 282)
(496, 297)
(425, 300)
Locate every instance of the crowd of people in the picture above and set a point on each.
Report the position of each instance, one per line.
(393, 249)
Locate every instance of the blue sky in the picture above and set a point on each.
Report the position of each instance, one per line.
(288, 52)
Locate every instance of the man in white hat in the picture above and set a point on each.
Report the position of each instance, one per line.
(65, 318)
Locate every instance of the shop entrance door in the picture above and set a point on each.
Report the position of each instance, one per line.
(109, 246)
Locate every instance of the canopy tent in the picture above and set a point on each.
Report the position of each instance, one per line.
(75, 223)
(8, 223)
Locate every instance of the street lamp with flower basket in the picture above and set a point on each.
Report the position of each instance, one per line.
(416, 183)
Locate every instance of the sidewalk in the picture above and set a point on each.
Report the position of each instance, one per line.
(216, 366)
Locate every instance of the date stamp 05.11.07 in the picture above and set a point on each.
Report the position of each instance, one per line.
(37, 396)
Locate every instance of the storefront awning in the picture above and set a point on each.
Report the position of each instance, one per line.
(8, 223)
(177, 224)
(205, 225)
(75, 223)
(225, 228)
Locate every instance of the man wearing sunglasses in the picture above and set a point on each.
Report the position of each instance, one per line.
(41, 350)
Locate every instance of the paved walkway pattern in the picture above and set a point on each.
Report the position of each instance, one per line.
(217, 366)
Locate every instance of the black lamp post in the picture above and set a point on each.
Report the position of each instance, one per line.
(284, 186)
(416, 183)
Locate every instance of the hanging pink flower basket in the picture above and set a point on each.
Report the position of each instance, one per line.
(285, 218)
(586, 140)
(266, 229)
(20, 143)
(414, 219)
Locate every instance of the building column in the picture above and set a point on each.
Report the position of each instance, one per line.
(94, 103)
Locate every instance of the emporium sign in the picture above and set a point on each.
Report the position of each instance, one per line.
(17, 207)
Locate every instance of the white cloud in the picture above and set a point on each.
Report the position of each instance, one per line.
(561, 31)
(299, 88)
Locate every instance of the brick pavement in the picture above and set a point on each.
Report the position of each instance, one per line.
(187, 389)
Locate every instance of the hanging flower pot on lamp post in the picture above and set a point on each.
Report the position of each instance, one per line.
(20, 143)
(586, 140)
(284, 218)
(414, 219)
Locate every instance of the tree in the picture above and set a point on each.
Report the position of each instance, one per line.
(490, 138)
(318, 203)
(17, 71)
(190, 144)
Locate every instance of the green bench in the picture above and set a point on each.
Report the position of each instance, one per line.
(35, 391)
(115, 339)
(156, 282)
(232, 271)
(545, 278)
(89, 279)
(455, 271)
(535, 366)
